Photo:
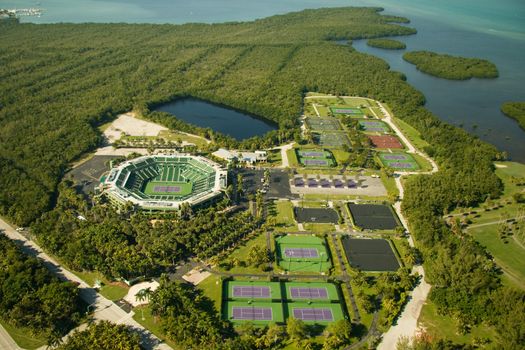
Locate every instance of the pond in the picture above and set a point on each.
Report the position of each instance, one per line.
(236, 124)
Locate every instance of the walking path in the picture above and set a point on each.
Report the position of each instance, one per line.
(103, 309)
(284, 155)
(493, 222)
(6, 342)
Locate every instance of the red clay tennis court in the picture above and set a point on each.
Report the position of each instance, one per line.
(385, 141)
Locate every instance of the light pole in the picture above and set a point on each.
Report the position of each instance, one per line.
(321, 263)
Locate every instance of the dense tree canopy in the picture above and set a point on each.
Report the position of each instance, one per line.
(103, 336)
(32, 297)
(515, 110)
(451, 67)
(389, 44)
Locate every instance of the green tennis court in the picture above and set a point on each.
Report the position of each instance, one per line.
(258, 313)
(323, 124)
(374, 126)
(252, 290)
(346, 110)
(314, 313)
(311, 291)
(302, 253)
(399, 161)
(168, 188)
(315, 157)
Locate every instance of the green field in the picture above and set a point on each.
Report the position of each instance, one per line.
(509, 256)
(508, 252)
(185, 188)
(282, 214)
(321, 263)
(444, 327)
(406, 164)
(23, 337)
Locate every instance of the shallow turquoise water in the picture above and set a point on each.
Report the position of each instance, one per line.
(477, 28)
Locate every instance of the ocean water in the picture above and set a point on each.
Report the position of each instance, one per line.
(489, 29)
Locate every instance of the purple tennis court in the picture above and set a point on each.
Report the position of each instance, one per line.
(311, 154)
(347, 110)
(166, 189)
(375, 128)
(251, 292)
(308, 293)
(301, 253)
(309, 314)
(315, 162)
(395, 157)
(252, 313)
(401, 165)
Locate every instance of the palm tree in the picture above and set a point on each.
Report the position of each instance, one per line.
(143, 295)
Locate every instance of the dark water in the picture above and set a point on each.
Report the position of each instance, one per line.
(228, 121)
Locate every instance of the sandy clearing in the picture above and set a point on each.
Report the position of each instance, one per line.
(128, 124)
(130, 297)
(195, 276)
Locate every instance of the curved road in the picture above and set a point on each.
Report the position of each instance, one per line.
(103, 309)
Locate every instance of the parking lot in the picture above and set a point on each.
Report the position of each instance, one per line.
(87, 175)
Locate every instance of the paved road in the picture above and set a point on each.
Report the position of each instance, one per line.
(494, 222)
(6, 342)
(284, 155)
(103, 309)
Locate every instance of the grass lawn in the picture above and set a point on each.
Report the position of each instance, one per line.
(313, 204)
(400, 247)
(274, 158)
(241, 253)
(212, 288)
(423, 163)
(114, 291)
(282, 211)
(319, 228)
(178, 136)
(110, 291)
(150, 323)
(293, 162)
(23, 337)
(509, 256)
(340, 155)
(390, 185)
(439, 326)
(412, 134)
